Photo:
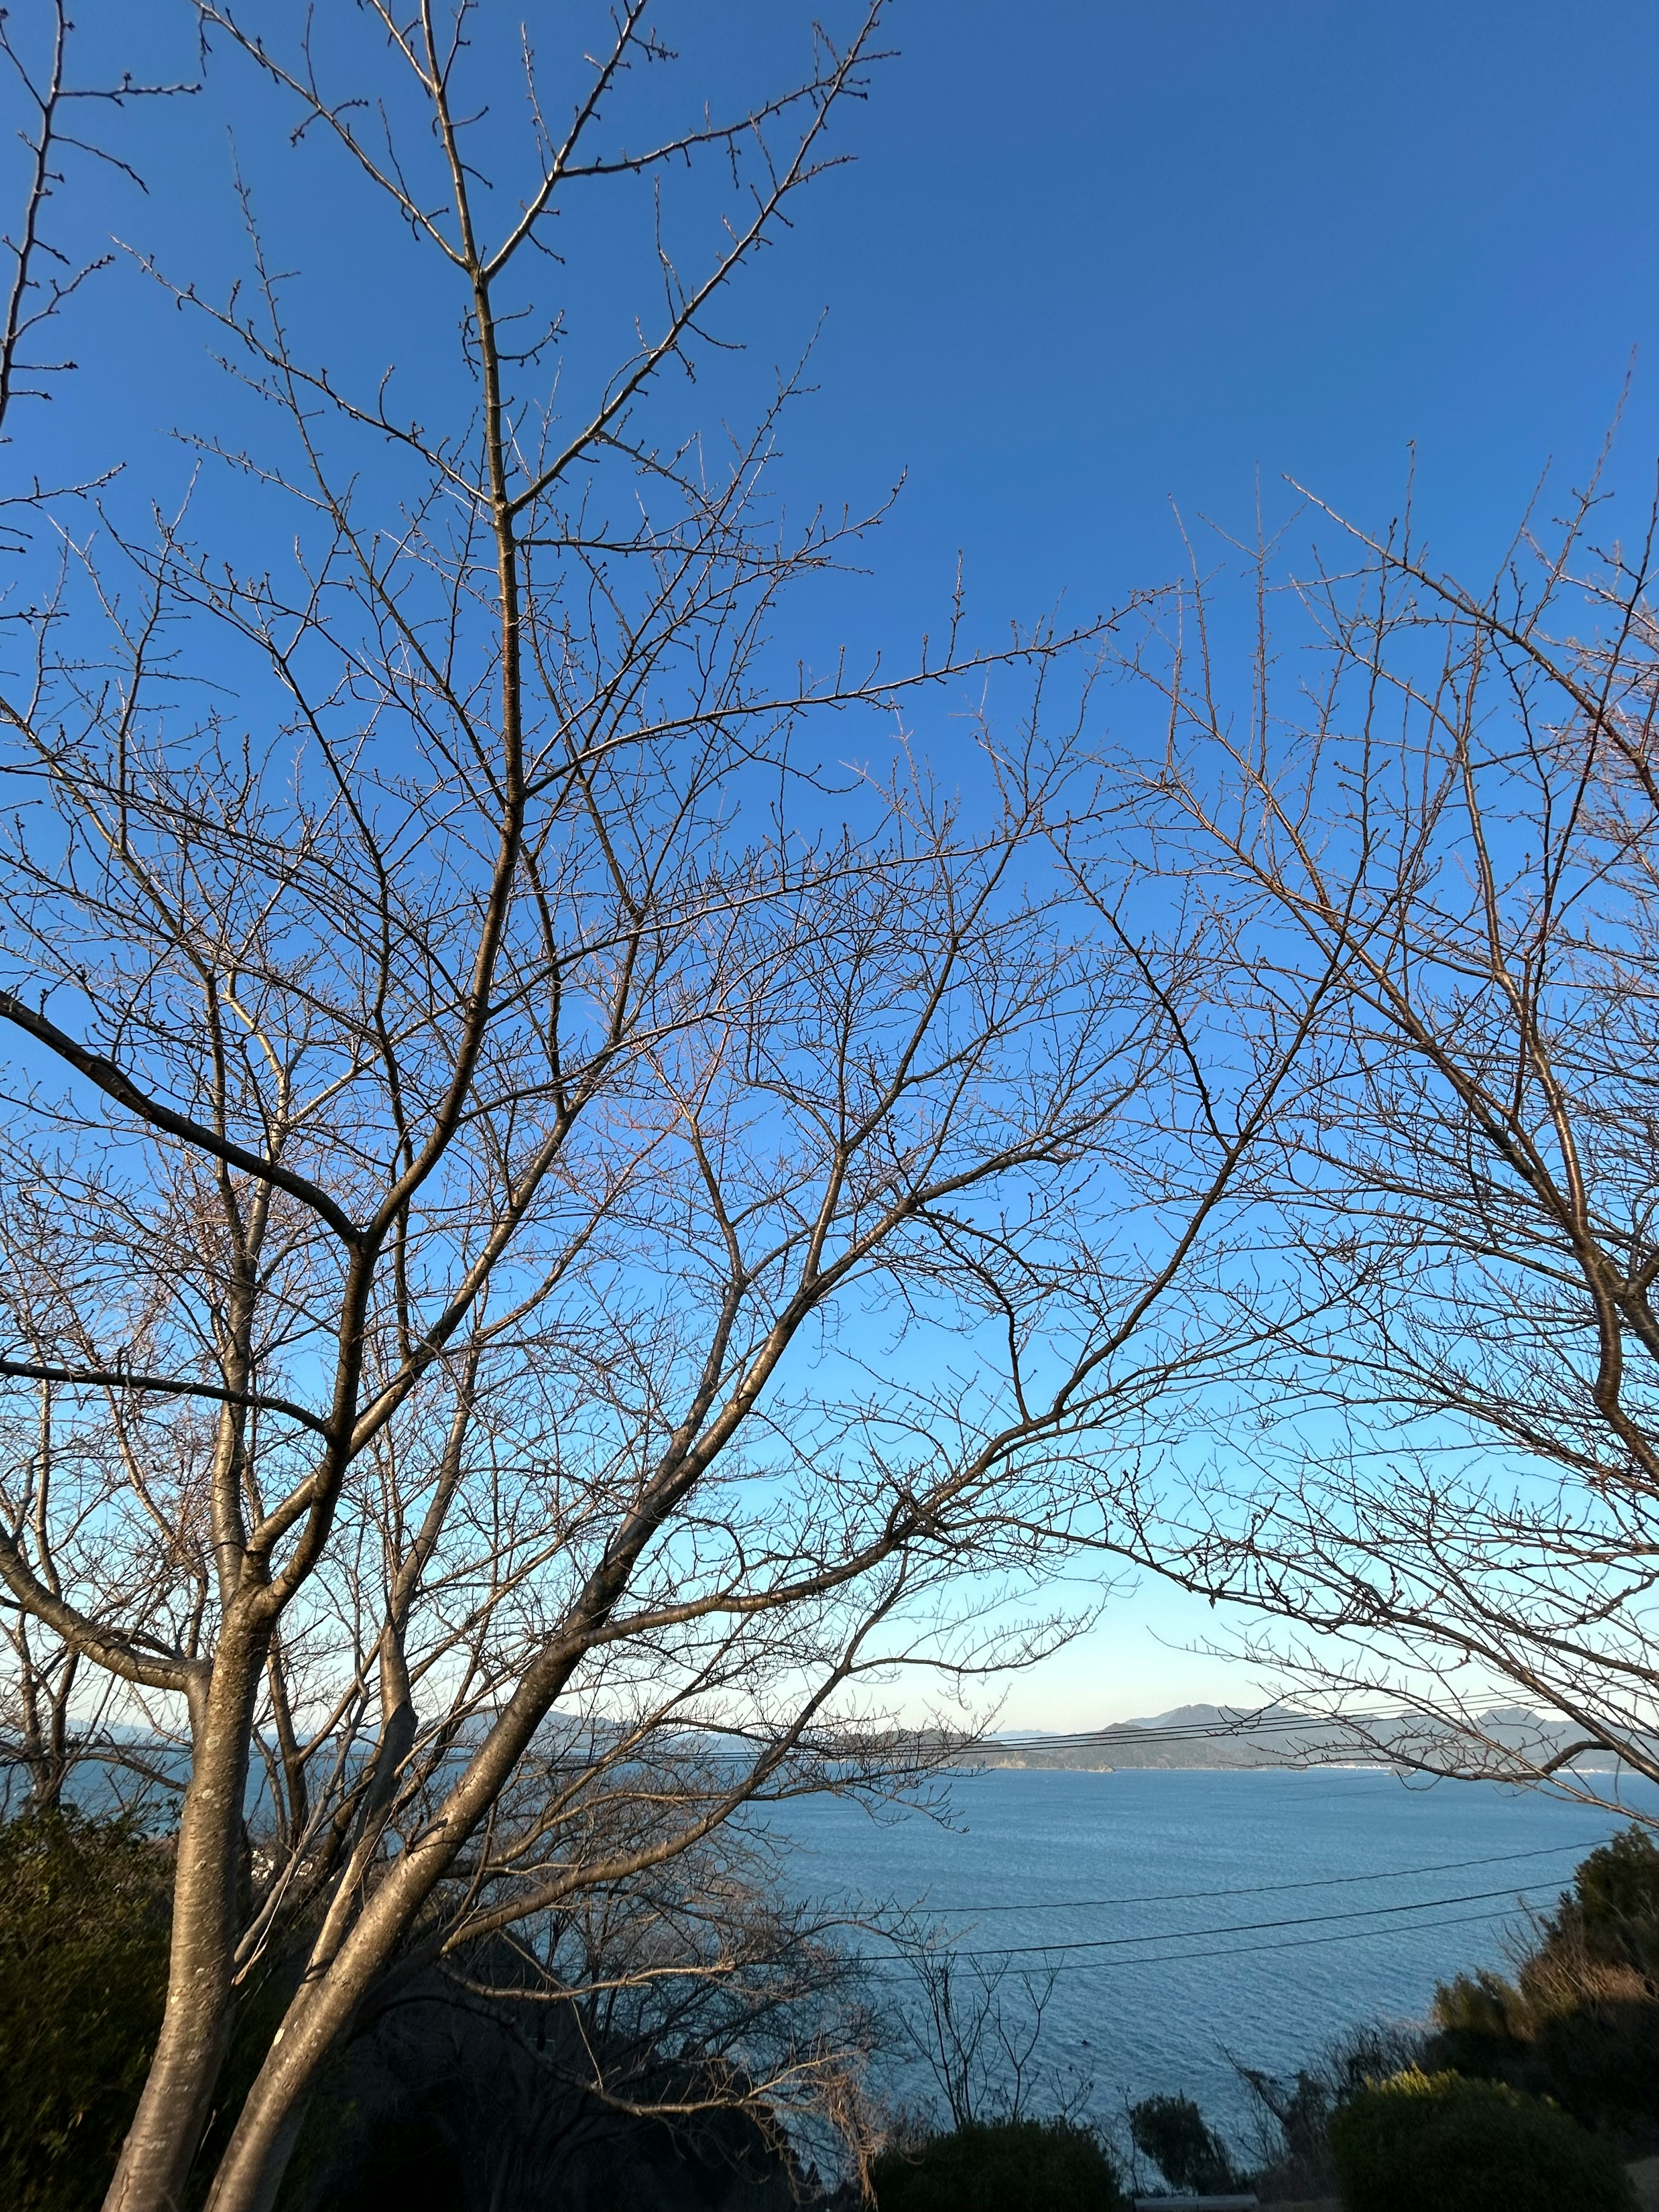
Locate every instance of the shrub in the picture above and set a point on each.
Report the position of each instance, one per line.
(1580, 2021)
(1172, 2132)
(1615, 1899)
(84, 1950)
(1014, 2165)
(1439, 2143)
(1293, 2112)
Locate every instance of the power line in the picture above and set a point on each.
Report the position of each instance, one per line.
(1268, 1721)
(1235, 1928)
(1234, 1950)
(1126, 1733)
(1270, 1889)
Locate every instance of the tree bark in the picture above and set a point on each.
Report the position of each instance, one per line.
(178, 2098)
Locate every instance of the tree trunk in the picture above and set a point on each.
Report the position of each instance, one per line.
(251, 2172)
(177, 2099)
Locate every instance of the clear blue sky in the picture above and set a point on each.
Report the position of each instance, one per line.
(1098, 256)
(1095, 256)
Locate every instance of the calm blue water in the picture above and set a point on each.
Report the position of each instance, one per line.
(1199, 1976)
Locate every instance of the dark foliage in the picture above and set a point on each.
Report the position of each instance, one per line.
(1011, 2165)
(1442, 2142)
(1294, 2113)
(464, 2110)
(83, 1951)
(1172, 2132)
(451, 2103)
(85, 1922)
(427, 2155)
(1613, 1907)
(1580, 2020)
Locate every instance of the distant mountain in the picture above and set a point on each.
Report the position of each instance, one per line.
(1218, 1736)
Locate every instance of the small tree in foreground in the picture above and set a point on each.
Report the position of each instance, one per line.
(974, 2029)
(553, 1236)
(1174, 2134)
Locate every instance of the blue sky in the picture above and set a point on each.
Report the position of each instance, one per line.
(1093, 258)
(1096, 258)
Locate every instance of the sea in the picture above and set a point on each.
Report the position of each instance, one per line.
(1183, 1923)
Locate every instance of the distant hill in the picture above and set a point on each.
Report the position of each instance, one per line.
(1206, 1737)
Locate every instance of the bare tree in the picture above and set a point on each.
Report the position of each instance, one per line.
(1441, 804)
(562, 1236)
(974, 2026)
(44, 1727)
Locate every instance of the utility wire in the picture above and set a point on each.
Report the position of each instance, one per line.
(1270, 1889)
(1229, 1950)
(1234, 1928)
(1127, 1733)
(1266, 1720)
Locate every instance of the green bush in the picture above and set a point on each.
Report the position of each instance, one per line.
(1439, 2143)
(1579, 2023)
(1015, 2166)
(1615, 1898)
(83, 1952)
